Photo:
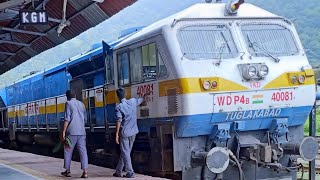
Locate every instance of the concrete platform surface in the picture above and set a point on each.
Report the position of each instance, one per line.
(27, 166)
(9, 173)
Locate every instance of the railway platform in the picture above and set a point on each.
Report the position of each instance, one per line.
(15, 165)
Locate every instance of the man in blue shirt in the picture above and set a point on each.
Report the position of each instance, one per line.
(126, 130)
(74, 129)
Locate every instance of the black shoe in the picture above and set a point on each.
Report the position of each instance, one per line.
(66, 174)
(116, 174)
(84, 175)
(129, 175)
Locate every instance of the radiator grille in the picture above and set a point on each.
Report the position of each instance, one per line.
(172, 101)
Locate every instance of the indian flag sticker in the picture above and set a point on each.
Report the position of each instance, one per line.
(257, 99)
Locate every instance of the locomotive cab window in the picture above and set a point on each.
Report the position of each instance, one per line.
(146, 64)
(109, 69)
(149, 62)
(206, 41)
(273, 38)
(162, 67)
(136, 65)
(123, 69)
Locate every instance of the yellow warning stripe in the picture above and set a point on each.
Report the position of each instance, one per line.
(51, 109)
(11, 114)
(284, 80)
(42, 110)
(194, 85)
(188, 86)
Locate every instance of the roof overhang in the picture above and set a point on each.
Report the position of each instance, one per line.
(19, 43)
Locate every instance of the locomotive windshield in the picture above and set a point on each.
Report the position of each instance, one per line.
(272, 38)
(207, 42)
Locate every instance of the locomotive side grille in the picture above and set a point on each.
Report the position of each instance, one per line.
(172, 101)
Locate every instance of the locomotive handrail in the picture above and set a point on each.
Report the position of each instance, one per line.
(94, 88)
(175, 21)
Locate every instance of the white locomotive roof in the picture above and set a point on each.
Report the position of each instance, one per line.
(204, 11)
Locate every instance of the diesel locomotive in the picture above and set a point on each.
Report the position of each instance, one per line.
(230, 88)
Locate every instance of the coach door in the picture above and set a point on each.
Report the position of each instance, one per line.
(108, 89)
(3, 118)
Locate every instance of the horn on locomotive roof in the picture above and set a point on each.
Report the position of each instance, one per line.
(232, 7)
(217, 1)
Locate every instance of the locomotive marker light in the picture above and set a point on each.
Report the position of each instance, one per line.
(294, 79)
(301, 79)
(206, 85)
(214, 84)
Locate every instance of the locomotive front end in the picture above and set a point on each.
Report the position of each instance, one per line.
(247, 89)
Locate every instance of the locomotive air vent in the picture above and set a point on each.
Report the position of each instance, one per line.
(172, 101)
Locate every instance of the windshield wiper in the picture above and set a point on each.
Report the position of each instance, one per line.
(276, 59)
(221, 48)
(220, 53)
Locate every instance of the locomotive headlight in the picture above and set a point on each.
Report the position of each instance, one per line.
(294, 79)
(252, 71)
(263, 71)
(206, 85)
(301, 79)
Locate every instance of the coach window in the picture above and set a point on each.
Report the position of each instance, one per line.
(123, 68)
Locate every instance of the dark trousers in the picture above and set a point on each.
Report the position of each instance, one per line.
(126, 144)
(80, 142)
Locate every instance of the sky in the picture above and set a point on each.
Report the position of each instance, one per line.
(141, 13)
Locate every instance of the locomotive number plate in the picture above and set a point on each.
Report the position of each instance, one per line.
(251, 100)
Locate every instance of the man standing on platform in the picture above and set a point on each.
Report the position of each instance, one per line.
(74, 127)
(126, 130)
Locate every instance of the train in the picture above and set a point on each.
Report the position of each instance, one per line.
(229, 89)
